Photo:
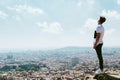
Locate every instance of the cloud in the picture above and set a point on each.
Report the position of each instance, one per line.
(110, 31)
(88, 28)
(90, 24)
(79, 3)
(88, 3)
(91, 2)
(17, 17)
(87, 31)
(111, 14)
(113, 18)
(3, 15)
(54, 27)
(118, 2)
(27, 9)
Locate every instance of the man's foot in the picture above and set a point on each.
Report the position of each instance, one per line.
(98, 71)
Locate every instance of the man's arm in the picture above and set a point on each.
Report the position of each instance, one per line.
(97, 39)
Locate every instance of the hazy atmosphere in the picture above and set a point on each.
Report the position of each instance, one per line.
(57, 23)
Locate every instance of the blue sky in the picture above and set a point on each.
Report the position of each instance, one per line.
(57, 23)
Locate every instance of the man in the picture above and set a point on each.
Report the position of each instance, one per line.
(98, 35)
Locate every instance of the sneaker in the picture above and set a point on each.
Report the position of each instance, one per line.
(98, 71)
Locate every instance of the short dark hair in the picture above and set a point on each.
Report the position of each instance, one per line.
(102, 19)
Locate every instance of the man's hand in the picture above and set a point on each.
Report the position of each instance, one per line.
(97, 39)
(94, 46)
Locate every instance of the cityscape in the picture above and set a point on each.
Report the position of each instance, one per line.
(68, 63)
(54, 39)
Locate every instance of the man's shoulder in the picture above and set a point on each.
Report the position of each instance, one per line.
(100, 27)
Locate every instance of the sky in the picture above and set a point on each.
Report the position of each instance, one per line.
(57, 23)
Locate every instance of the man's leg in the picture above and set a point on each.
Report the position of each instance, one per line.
(99, 55)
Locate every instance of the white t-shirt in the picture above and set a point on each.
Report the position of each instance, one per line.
(100, 29)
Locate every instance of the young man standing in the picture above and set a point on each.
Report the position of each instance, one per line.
(98, 35)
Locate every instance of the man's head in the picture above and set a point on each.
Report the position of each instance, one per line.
(101, 20)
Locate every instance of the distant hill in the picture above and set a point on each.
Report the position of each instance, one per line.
(61, 51)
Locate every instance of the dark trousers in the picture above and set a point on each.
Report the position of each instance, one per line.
(99, 55)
